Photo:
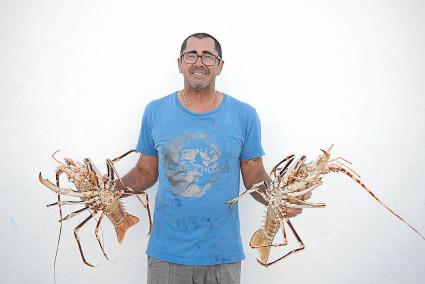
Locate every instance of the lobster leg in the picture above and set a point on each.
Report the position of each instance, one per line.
(110, 167)
(65, 202)
(71, 162)
(290, 158)
(70, 215)
(145, 203)
(97, 234)
(59, 198)
(300, 192)
(300, 162)
(254, 188)
(285, 240)
(94, 174)
(305, 204)
(123, 155)
(300, 206)
(53, 157)
(300, 242)
(77, 238)
(112, 170)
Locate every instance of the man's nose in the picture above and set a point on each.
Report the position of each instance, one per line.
(199, 62)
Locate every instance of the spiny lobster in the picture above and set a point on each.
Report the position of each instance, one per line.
(97, 194)
(287, 190)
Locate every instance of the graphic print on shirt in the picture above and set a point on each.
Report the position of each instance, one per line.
(193, 164)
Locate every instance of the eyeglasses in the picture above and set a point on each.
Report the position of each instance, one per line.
(192, 57)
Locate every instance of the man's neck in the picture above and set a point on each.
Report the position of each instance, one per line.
(199, 96)
(200, 101)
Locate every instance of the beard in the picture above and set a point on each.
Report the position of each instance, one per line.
(200, 85)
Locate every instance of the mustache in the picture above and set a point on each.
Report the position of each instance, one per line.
(200, 69)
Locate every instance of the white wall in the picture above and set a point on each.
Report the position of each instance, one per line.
(76, 76)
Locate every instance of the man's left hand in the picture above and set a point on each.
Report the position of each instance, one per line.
(292, 212)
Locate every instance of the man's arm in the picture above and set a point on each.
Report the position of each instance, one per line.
(142, 176)
(253, 172)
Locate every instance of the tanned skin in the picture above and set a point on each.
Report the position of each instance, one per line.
(142, 176)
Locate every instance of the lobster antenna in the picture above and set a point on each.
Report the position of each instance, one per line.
(380, 202)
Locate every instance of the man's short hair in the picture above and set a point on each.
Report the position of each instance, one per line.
(201, 36)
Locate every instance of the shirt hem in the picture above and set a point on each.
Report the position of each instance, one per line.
(177, 260)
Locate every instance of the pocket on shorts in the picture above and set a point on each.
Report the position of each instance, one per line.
(230, 273)
(158, 271)
(152, 260)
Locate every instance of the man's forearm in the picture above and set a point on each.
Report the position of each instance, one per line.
(259, 178)
(137, 180)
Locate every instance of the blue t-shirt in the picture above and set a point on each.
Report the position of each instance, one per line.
(199, 170)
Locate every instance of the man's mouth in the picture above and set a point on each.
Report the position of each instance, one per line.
(199, 72)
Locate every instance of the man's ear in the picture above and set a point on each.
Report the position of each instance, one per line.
(179, 64)
(220, 67)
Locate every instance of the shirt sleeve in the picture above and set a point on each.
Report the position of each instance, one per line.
(146, 143)
(252, 145)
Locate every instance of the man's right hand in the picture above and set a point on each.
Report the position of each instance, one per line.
(142, 176)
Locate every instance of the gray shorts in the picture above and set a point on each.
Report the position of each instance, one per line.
(162, 272)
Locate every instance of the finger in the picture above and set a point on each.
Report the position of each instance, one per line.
(292, 212)
(307, 195)
(297, 211)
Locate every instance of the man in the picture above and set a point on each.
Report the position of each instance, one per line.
(197, 141)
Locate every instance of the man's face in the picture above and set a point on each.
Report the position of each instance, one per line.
(197, 75)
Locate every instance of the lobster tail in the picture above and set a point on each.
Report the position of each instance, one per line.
(262, 244)
(122, 228)
(262, 239)
(122, 220)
